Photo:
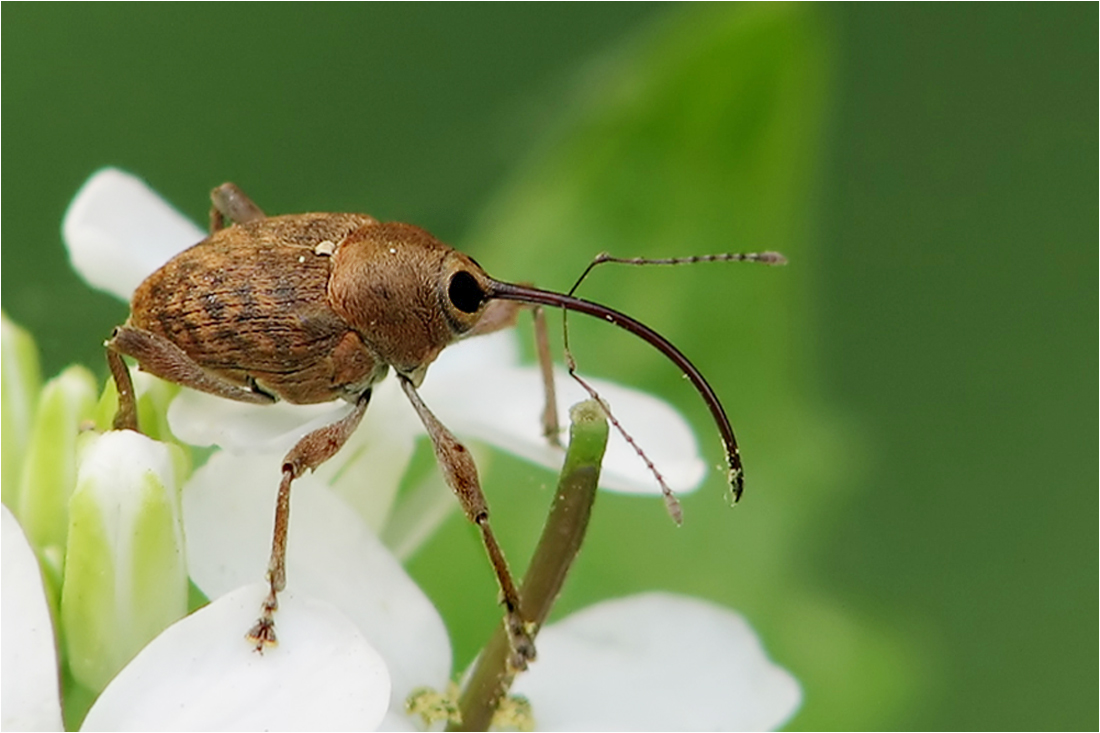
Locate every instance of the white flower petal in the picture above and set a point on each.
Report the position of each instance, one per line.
(119, 231)
(656, 662)
(477, 354)
(331, 555)
(203, 419)
(366, 472)
(30, 697)
(502, 404)
(201, 674)
(397, 720)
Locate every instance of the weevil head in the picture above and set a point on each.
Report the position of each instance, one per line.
(407, 294)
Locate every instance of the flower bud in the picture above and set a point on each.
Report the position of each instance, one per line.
(22, 381)
(48, 475)
(125, 568)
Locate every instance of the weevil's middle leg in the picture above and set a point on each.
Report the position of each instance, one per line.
(551, 428)
(230, 201)
(460, 474)
(310, 452)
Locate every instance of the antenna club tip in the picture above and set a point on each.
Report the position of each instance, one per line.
(737, 483)
(773, 258)
(672, 505)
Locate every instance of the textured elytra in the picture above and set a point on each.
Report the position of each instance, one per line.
(258, 304)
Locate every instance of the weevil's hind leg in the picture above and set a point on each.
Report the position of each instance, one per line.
(232, 203)
(551, 428)
(461, 475)
(162, 358)
(126, 416)
(310, 452)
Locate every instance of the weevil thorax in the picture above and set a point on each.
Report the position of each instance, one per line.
(407, 294)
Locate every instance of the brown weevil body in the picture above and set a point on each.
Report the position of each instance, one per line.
(309, 308)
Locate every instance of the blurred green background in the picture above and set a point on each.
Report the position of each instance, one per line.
(911, 393)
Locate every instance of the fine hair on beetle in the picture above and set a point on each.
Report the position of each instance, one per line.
(308, 308)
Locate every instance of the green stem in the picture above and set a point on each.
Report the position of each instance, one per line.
(557, 549)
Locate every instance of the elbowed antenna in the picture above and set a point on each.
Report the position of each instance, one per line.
(526, 294)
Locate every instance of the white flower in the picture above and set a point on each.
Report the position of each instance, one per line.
(31, 699)
(333, 556)
(199, 673)
(656, 661)
(356, 633)
(648, 662)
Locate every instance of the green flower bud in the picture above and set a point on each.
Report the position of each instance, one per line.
(125, 568)
(22, 381)
(48, 478)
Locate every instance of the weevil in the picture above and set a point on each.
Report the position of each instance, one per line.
(316, 307)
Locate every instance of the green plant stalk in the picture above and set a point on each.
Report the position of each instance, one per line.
(561, 540)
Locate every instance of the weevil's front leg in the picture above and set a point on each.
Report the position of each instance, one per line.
(461, 475)
(230, 201)
(162, 358)
(310, 452)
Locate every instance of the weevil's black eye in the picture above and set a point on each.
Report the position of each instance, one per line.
(465, 293)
